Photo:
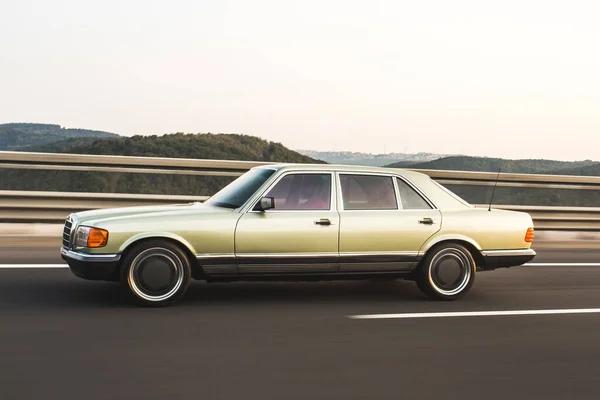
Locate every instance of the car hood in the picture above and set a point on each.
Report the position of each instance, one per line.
(105, 214)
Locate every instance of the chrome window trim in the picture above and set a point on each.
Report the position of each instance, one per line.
(396, 188)
(256, 198)
(86, 257)
(508, 253)
(397, 191)
(336, 193)
(419, 192)
(382, 174)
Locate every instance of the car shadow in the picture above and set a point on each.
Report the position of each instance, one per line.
(302, 292)
(72, 292)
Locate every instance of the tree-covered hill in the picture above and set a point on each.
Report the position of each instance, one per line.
(518, 196)
(54, 139)
(15, 136)
(485, 164)
(180, 145)
(586, 170)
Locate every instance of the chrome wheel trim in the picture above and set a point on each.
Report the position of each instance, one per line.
(163, 253)
(465, 262)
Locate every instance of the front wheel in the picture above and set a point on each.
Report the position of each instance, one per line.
(447, 272)
(156, 272)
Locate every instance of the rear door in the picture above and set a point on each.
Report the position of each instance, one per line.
(384, 222)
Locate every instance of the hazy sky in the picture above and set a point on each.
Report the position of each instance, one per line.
(516, 79)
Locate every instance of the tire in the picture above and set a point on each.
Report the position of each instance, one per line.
(454, 261)
(156, 273)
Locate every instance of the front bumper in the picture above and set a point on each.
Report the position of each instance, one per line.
(506, 258)
(97, 267)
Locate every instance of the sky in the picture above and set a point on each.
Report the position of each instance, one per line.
(512, 79)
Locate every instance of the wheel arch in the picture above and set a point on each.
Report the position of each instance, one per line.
(157, 235)
(471, 245)
(186, 247)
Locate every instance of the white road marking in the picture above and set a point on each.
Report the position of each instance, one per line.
(563, 264)
(477, 313)
(32, 266)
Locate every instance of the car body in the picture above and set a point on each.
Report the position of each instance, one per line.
(300, 222)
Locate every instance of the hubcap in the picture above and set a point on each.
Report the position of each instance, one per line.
(155, 274)
(450, 271)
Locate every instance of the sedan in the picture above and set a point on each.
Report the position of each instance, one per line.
(299, 222)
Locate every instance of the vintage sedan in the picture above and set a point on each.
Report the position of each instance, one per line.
(300, 222)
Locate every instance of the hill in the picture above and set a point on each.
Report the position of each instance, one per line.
(180, 145)
(518, 196)
(55, 139)
(375, 160)
(485, 164)
(586, 170)
(15, 136)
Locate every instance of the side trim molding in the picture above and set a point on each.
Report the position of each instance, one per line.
(328, 262)
(286, 255)
(216, 259)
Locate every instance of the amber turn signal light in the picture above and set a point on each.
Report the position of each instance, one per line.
(97, 238)
(529, 235)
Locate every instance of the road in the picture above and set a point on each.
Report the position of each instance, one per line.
(65, 338)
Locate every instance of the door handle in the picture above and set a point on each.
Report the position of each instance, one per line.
(323, 221)
(427, 221)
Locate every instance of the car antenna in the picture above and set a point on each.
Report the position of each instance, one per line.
(494, 190)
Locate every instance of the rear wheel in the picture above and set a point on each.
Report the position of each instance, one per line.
(156, 273)
(447, 272)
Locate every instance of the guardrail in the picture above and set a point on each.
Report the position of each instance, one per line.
(53, 207)
(30, 206)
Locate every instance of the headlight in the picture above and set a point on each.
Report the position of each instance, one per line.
(91, 237)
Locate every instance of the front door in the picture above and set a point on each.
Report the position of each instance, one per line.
(383, 223)
(299, 235)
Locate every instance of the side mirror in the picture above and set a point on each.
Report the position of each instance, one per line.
(266, 203)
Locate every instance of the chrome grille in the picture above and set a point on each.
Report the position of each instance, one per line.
(66, 238)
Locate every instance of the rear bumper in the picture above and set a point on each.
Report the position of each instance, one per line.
(506, 258)
(96, 267)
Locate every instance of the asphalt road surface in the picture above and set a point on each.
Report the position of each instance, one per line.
(65, 338)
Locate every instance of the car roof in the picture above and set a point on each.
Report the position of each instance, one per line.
(341, 167)
(442, 197)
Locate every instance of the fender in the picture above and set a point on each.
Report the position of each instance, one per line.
(156, 235)
(448, 237)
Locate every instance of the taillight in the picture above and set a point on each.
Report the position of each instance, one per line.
(529, 235)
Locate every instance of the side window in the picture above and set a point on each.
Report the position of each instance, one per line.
(368, 192)
(302, 192)
(410, 199)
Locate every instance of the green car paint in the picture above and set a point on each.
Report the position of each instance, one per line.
(233, 241)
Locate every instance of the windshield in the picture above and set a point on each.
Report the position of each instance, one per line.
(240, 190)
